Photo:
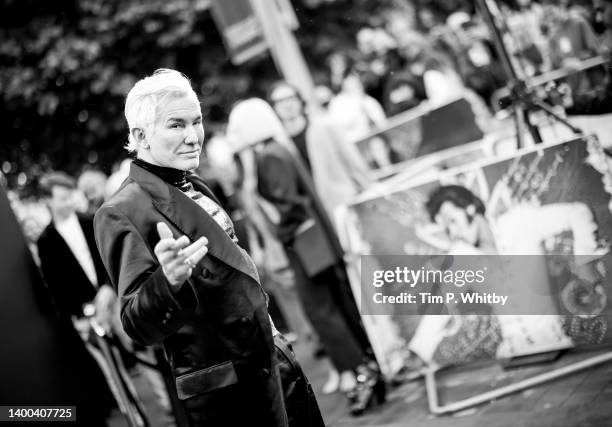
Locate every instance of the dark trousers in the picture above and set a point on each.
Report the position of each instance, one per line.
(326, 316)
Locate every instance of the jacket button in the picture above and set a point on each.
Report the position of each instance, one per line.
(168, 315)
(245, 320)
(205, 273)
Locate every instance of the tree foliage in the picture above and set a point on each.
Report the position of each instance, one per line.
(66, 65)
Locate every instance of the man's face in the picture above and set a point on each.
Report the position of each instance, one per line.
(286, 103)
(61, 202)
(427, 18)
(352, 84)
(458, 222)
(177, 136)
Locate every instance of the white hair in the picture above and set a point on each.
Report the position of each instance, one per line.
(143, 100)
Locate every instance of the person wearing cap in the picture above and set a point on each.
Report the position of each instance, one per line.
(183, 280)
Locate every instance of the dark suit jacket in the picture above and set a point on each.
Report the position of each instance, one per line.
(70, 288)
(68, 283)
(215, 330)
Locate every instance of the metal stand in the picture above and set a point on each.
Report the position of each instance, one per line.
(436, 408)
(523, 98)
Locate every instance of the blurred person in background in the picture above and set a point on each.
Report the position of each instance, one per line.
(353, 111)
(606, 35)
(338, 170)
(572, 40)
(402, 89)
(356, 114)
(92, 184)
(478, 63)
(33, 226)
(598, 16)
(74, 274)
(267, 252)
(524, 40)
(274, 173)
(172, 253)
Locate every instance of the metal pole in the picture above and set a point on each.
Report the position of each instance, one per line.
(284, 48)
(432, 392)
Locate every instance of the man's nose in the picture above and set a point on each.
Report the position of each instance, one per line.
(192, 135)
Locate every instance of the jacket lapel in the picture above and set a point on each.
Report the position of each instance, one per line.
(188, 217)
(87, 227)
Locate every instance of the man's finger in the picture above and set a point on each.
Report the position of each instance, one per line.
(194, 247)
(164, 245)
(164, 231)
(182, 242)
(197, 256)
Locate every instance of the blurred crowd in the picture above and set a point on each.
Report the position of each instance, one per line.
(401, 65)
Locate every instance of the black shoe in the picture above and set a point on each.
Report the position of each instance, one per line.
(370, 387)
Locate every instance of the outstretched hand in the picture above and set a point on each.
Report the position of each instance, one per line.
(178, 257)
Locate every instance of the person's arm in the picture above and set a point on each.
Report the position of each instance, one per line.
(552, 219)
(151, 308)
(375, 111)
(354, 161)
(279, 183)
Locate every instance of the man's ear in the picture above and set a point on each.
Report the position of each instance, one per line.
(140, 137)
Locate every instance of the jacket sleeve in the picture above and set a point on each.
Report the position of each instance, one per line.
(150, 309)
(279, 184)
(54, 276)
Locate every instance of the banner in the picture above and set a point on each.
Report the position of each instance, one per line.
(240, 29)
(554, 199)
(419, 132)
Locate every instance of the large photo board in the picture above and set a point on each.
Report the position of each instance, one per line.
(553, 199)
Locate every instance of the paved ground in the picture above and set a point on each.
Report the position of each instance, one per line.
(580, 399)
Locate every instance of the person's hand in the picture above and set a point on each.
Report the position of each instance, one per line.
(434, 235)
(177, 257)
(104, 302)
(105, 298)
(82, 326)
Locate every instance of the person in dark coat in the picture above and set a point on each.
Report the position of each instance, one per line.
(75, 276)
(284, 185)
(172, 255)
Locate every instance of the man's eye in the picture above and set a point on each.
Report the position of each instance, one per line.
(175, 125)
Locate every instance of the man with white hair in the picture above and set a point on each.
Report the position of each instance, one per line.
(173, 256)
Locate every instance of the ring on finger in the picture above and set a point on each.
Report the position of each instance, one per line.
(189, 263)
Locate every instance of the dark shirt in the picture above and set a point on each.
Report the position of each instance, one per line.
(300, 142)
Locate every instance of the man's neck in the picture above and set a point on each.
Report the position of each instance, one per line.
(295, 125)
(60, 219)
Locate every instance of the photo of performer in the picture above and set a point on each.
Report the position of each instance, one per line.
(183, 280)
(461, 227)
